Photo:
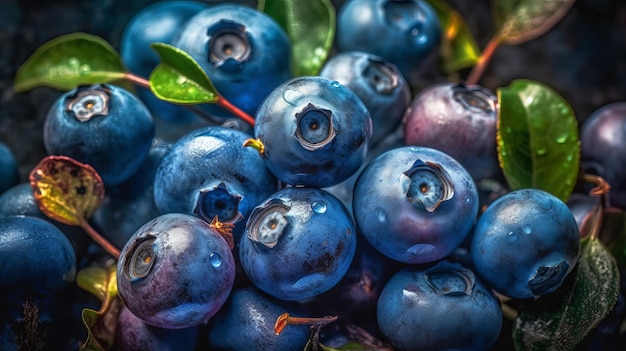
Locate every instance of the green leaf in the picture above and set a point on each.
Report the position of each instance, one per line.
(518, 21)
(178, 78)
(561, 322)
(538, 143)
(69, 61)
(100, 282)
(613, 234)
(310, 26)
(459, 49)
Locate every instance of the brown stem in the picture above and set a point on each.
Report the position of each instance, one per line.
(602, 187)
(235, 110)
(141, 81)
(483, 61)
(285, 319)
(99, 239)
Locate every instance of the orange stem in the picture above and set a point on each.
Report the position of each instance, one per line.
(480, 67)
(235, 110)
(99, 239)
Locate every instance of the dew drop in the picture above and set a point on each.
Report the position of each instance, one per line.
(215, 260)
(542, 151)
(382, 217)
(335, 84)
(181, 80)
(509, 130)
(527, 229)
(84, 68)
(561, 139)
(318, 206)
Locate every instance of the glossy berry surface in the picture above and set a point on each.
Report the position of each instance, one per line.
(246, 322)
(459, 120)
(525, 243)
(245, 53)
(378, 83)
(415, 204)
(315, 131)
(104, 126)
(298, 243)
(602, 141)
(175, 272)
(9, 172)
(209, 173)
(443, 307)
(404, 32)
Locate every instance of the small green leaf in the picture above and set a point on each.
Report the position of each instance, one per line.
(538, 143)
(561, 322)
(310, 26)
(459, 49)
(68, 61)
(179, 78)
(66, 190)
(519, 21)
(100, 282)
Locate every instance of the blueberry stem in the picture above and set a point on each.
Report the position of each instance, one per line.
(483, 61)
(285, 319)
(99, 239)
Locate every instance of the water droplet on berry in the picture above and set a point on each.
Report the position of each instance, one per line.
(318, 206)
(290, 96)
(527, 229)
(380, 214)
(215, 259)
(335, 84)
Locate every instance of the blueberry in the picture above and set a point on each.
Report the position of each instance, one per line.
(245, 53)
(246, 322)
(602, 138)
(415, 204)
(156, 23)
(404, 32)
(378, 83)
(315, 131)
(525, 243)
(104, 126)
(175, 272)
(208, 173)
(133, 334)
(298, 243)
(9, 172)
(459, 120)
(443, 307)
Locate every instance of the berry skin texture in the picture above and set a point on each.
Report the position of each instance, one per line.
(245, 53)
(315, 132)
(298, 243)
(415, 204)
(104, 126)
(459, 120)
(9, 171)
(525, 243)
(406, 33)
(444, 307)
(175, 272)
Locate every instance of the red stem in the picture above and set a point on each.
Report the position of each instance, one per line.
(235, 110)
(100, 240)
(141, 81)
(483, 61)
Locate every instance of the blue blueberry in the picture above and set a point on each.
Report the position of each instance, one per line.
(378, 83)
(315, 132)
(9, 171)
(246, 322)
(415, 204)
(175, 272)
(525, 243)
(209, 173)
(298, 243)
(442, 307)
(245, 53)
(405, 32)
(459, 120)
(104, 126)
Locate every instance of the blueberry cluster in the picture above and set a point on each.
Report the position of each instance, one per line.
(348, 197)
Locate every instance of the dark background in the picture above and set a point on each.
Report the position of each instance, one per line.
(583, 57)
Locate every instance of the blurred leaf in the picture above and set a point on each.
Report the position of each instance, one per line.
(101, 324)
(538, 144)
(68, 61)
(179, 78)
(66, 190)
(459, 49)
(561, 322)
(613, 234)
(311, 29)
(519, 21)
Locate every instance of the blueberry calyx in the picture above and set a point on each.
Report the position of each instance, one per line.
(88, 102)
(229, 46)
(314, 127)
(475, 98)
(381, 76)
(429, 185)
(218, 202)
(451, 281)
(141, 260)
(267, 222)
(547, 278)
